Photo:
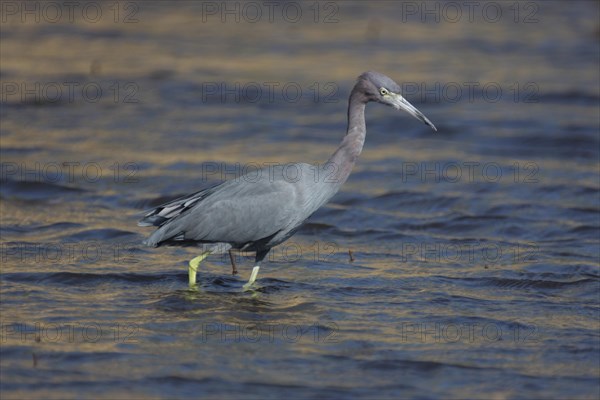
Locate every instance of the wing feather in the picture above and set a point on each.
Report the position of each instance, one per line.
(160, 215)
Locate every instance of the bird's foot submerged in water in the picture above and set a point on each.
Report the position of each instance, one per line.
(194, 265)
(253, 276)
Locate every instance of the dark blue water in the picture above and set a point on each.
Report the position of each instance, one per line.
(457, 264)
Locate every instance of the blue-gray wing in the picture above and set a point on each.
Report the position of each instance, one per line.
(236, 212)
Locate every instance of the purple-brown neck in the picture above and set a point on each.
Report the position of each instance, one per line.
(342, 161)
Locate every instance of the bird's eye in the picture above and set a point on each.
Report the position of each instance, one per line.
(383, 91)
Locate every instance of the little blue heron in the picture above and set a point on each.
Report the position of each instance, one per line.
(256, 214)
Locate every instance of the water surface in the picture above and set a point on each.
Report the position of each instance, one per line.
(460, 264)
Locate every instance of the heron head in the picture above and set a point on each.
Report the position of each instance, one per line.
(381, 89)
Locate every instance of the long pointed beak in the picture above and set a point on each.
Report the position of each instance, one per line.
(400, 103)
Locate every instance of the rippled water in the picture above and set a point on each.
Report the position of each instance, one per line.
(458, 264)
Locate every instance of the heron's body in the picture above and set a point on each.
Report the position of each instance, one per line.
(258, 212)
(252, 213)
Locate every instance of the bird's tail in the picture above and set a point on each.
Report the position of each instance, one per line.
(165, 233)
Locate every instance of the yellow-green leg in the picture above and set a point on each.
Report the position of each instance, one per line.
(194, 265)
(253, 276)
